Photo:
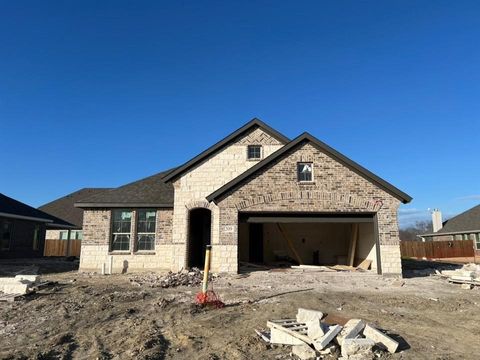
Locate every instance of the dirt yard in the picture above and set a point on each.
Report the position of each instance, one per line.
(88, 316)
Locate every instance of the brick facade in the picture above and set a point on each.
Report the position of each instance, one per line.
(336, 188)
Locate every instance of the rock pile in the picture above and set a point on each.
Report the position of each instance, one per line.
(192, 277)
(312, 338)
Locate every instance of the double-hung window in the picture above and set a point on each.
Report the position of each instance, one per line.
(121, 230)
(146, 220)
(305, 172)
(477, 241)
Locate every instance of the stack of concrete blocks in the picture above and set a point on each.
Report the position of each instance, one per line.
(356, 338)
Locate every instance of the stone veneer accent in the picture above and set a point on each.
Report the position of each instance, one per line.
(193, 187)
(336, 188)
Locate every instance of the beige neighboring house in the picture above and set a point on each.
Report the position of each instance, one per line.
(255, 196)
(464, 226)
(63, 208)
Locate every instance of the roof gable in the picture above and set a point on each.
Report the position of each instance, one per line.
(303, 138)
(254, 123)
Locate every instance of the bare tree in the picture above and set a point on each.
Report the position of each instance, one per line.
(420, 227)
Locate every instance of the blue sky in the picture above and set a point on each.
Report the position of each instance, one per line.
(98, 94)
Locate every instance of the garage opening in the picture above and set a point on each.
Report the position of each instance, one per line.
(199, 235)
(285, 239)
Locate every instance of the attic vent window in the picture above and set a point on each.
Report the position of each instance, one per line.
(254, 152)
(305, 172)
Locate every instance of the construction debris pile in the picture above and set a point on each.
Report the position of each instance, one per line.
(11, 288)
(468, 275)
(192, 277)
(311, 337)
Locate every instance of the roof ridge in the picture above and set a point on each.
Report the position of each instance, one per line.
(405, 198)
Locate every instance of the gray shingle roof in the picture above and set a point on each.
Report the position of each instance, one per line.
(151, 191)
(15, 209)
(466, 221)
(64, 208)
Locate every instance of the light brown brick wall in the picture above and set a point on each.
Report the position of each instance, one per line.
(97, 237)
(336, 188)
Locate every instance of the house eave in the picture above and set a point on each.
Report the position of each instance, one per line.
(123, 205)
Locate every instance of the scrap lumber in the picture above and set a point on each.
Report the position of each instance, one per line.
(290, 244)
(364, 264)
(353, 245)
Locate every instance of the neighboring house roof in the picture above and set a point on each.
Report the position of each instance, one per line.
(64, 208)
(468, 221)
(306, 137)
(11, 208)
(254, 123)
(152, 191)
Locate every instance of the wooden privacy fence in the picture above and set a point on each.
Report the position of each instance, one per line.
(59, 248)
(437, 249)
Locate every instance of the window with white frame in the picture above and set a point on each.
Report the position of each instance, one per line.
(305, 171)
(254, 152)
(121, 230)
(64, 235)
(477, 241)
(146, 224)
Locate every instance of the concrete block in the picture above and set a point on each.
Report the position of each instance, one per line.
(306, 315)
(280, 337)
(17, 288)
(316, 329)
(304, 352)
(321, 343)
(352, 328)
(380, 338)
(357, 346)
(30, 278)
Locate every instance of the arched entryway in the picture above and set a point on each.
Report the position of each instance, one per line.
(199, 236)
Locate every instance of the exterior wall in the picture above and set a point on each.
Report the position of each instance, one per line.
(96, 244)
(193, 187)
(21, 243)
(336, 188)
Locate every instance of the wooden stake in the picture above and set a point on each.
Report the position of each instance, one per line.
(206, 269)
(290, 245)
(353, 245)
